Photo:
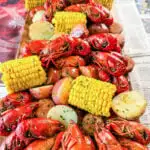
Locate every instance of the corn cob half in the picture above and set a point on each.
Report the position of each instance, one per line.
(65, 21)
(29, 4)
(22, 74)
(92, 95)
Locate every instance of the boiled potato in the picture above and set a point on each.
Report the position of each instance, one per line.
(116, 28)
(129, 105)
(42, 91)
(41, 30)
(63, 113)
(38, 16)
(44, 106)
(61, 90)
(89, 122)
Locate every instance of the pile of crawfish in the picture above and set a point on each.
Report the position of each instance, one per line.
(26, 129)
(94, 50)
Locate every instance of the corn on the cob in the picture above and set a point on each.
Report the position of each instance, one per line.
(29, 4)
(65, 21)
(92, 95)
(21, 74)
(107, 3)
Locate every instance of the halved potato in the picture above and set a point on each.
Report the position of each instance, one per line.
(41, 92)
(129, 105)
(41, 30)
(63, 113)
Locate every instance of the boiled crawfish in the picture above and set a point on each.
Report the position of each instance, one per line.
(95, 12)
(64, 46)
(121, 83)
(129, 129)
(104, 42)
(14, 100)
(9, 119)
(71, 61)
(29, 130)
(110, 63)
(128, 144)
(33, 47)
(105, 140)
(73, 139)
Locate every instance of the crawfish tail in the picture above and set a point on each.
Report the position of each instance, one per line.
(14, 100)
(130, 129)
(109, 62)
(37, 128)
(10, 118)
(12, 143)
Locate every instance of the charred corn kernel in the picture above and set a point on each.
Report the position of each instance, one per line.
(92, 95)
(107, 3)
(29, 4)
(22, 74)
(65, 21)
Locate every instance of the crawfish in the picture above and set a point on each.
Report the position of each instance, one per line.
(14, 100)
(105, 140)
(121, 83)
(73, 139)
(64, 46)
(128, 144)
(109, 63)
(33, 47)
(29, 130)
(9, 119)
(59, 47)
(129, 129)
(103, 75)
(104, 42)
(71, 61)
(81, 47)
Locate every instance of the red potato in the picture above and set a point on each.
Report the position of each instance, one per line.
(89, 71)
(89, 121)
(80, 31)
(98, 28)
(44, 106)
(130, 63)
(70, 72)
(41, 92)
(115, 28)
(53, 75)
(60, 92)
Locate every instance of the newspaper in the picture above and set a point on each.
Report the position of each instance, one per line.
(137, 42)
(134, 15)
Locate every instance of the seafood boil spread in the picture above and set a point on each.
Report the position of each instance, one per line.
(68, 88)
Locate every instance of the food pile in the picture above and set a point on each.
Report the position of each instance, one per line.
(69, 89)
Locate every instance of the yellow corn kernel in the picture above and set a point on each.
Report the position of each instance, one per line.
(92, 95)
(30, 74)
